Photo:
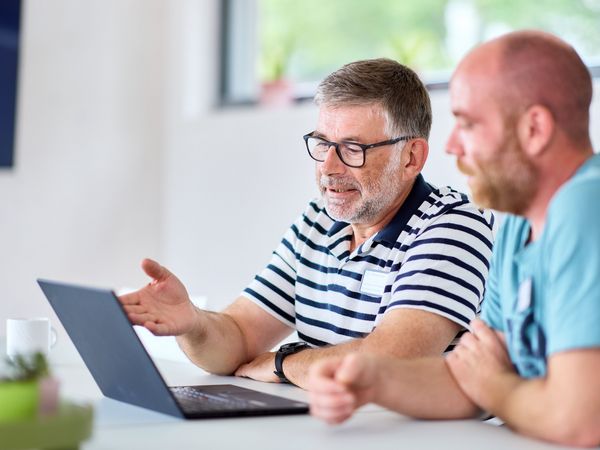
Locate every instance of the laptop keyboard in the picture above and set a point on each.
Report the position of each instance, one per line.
(194, 400)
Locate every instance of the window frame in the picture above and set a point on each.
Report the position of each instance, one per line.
(242, 40)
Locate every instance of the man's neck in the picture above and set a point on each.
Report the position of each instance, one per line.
(361, 232)
(551, 182)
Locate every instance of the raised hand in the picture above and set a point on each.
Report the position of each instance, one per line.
(162, 306)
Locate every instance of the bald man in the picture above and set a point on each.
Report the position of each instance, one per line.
(521, 104)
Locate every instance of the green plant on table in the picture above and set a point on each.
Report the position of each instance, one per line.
(21, 387)
(26, 368)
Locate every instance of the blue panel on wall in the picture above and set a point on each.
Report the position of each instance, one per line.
(10, 14)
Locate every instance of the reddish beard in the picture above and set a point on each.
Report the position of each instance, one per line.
(464, 169)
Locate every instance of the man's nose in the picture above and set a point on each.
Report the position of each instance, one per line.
(332, 163)
(453, 144)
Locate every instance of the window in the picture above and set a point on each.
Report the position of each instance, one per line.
(291, 45)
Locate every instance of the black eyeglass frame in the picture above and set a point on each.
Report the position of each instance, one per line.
(364, 147)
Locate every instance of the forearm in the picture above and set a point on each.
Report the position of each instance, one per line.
(423, 388)
(408, 334)
(531, 407)
(216, 343)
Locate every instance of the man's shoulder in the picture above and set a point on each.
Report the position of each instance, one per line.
(315, 216)
(446, 200)
(574, 210)
(582, 189)
(315, 208)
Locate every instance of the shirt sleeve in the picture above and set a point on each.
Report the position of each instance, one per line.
(273, 289)
(491, 310)
(445, 269)
(573, 258)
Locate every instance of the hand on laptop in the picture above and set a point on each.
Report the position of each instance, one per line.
(162, 306)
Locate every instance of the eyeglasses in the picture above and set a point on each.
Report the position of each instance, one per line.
(350, 153)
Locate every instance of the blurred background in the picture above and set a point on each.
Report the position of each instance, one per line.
(173, 129)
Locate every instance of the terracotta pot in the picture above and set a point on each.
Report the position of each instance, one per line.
(277, 93)
(48, 389)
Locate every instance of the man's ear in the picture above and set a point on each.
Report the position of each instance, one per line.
(535, 129)
(417, 151)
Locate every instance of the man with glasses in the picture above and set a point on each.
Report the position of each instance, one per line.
(521, 104)
(382, 263)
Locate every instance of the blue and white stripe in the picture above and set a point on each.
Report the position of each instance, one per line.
(435, 253)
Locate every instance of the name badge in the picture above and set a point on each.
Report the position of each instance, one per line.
(524, 300)
(373, 282)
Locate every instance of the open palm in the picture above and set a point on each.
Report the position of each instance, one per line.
(162, 306)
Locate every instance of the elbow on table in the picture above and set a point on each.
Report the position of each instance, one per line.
(576, 431)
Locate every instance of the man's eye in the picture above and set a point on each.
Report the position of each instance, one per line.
(465, 124)
(352, 149)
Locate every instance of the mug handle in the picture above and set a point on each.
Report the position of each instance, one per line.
(53, 336)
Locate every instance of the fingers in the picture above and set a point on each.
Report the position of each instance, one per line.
(467, 341)
(150, 322)
(241, 371)
(154, 270)
(334, 408)
(483, 332)
(482, 346)
(352, 371)
(140, 318)
(321, 377)
(156, 328)
(133, 298)
(330, 400)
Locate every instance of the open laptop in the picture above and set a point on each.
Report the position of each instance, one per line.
(98, 326)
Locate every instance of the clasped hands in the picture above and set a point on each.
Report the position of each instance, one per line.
(339, 386)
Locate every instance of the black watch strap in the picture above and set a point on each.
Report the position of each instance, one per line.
(284, 351)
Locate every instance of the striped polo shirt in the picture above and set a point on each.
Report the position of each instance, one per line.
(433, 256)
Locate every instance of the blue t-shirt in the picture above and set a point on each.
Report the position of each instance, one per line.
(545, 295)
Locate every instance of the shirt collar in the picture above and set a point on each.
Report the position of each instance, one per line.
(418, 194)
(336, 228)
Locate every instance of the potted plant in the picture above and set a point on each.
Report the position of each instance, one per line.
(276, 89)
(26, 388)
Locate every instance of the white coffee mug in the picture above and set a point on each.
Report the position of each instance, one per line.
(28, 336)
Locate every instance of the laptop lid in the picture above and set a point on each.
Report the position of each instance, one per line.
(98, 326)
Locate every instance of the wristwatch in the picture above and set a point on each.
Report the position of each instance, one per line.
(286, 350)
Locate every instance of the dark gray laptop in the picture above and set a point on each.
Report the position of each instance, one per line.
(99, 328)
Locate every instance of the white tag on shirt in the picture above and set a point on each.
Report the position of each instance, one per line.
(524, 295)
(373, 282)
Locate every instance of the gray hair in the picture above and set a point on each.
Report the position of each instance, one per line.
(398, 89)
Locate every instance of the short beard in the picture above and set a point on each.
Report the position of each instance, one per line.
(506, 184)
(384, 191)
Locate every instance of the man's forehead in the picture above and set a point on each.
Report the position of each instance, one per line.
(481, 63)
(471, 84)
(348, 109)
(350, 120)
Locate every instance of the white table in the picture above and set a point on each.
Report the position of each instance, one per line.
(121, 426)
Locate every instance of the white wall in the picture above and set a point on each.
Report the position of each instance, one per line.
(83, 202)
(121, 154)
